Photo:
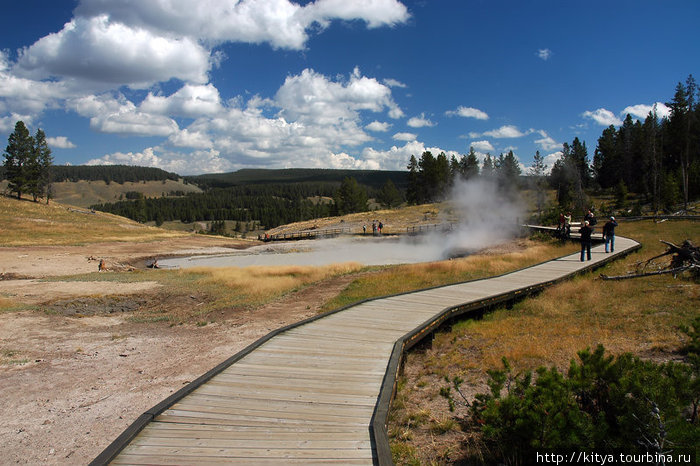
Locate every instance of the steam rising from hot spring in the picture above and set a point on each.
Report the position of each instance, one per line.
(486, 219)
(487, 216)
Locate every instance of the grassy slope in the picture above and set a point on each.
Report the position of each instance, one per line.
(26, 223)
(85, 193)
(641, 316)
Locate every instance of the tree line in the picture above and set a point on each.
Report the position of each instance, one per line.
(28, 163)
(430, 178)
(658, 159)
(270, 205)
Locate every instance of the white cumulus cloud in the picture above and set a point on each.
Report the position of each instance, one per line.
(189, 101)
(468, 112)
(99, 50)
(506, 131)
(405, 136)
(378, 126)
(420, 122)
(544, 54)
(281, 23)
(482, 146)
(60, 142)
(641, 111)
(603, 117)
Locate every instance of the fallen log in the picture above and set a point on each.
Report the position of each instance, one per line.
(683, 258)
(675, 271)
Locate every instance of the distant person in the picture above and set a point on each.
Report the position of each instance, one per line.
(586, 232)
(567, 224)
(101, 266)
(609, 234)
(379, 227)
(562, 223)
(590, 218)
(364, 229)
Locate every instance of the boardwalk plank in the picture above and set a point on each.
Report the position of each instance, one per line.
(307, 395)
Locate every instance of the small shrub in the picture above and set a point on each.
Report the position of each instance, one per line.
(603, 403)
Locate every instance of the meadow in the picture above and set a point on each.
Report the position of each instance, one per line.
(642, 316)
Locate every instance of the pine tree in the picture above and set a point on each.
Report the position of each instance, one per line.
(350, 197)
(42, 162)
(413, 187)
(389, 196)
(538, 172)
(18, 154)
(469, 165)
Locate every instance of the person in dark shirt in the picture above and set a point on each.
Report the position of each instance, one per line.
(586, 232)
(609, 234)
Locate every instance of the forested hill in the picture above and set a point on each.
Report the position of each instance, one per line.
(373, 179)
(107, 173)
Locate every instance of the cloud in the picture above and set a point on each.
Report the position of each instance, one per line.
(377, 126)
(420, 122)
(99, 50)
(60, 142)
(641, 111)
(118, 115)
(603, 117)
(193, 139)
(468, 112)
(546, 142)
(396, 158)
(544, 54)
(376, 13)
(192, 163)
(394, 83)
(405, 136)
(189, 101)
(482, 146)
(551, 159)
(312, 98)
(281, 23)
(507, 131)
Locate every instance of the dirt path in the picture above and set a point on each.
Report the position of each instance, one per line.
(69, 386)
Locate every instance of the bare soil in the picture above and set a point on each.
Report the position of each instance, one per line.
(72, 379)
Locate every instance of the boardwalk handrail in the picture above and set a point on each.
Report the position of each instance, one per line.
(378, 428)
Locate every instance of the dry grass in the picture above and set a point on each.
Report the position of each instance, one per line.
(641, 316)
(394, 220)
(254, 286)
(26, 223)
(393, 280)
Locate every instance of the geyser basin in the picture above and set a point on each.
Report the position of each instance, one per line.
(365, 250)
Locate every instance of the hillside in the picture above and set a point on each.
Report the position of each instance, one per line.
(371, 178)
(24, 223)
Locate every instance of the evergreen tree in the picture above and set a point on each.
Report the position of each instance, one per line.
(18, 155)
(606, 163)
(389, 196)
(413, 188)
(469, 165)
(487, 167)
(350, 197)
(42, 162)
(538, 173)
(509, 169)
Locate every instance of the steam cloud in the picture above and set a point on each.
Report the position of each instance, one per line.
(487, 219)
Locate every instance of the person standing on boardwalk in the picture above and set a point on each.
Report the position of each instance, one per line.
(609, 234)
(567, 224)
(590, 218)
(586, 232)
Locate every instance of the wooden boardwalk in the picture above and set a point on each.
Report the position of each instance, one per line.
(318, 392)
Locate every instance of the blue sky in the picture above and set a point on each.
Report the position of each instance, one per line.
(196, 86)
